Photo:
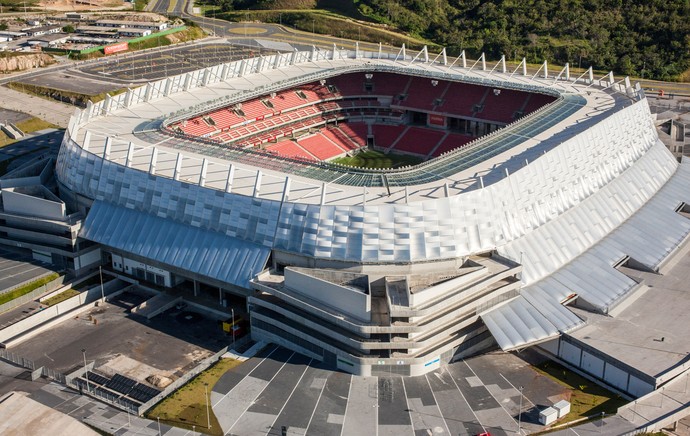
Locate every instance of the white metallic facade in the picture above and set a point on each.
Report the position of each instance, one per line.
(544, 203)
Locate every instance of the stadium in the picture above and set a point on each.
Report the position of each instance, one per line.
(508, 206)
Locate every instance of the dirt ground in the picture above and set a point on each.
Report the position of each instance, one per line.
(84, 5)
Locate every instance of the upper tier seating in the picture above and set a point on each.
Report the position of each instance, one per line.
(461, 98)
(422, 94)
(502, 107)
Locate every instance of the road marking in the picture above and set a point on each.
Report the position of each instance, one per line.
(492, 395)
(407, 403)
(259, 394)
(291, 393)
(318, 400)
(437, 405)
(347, 403)
(465, 399)
(504, 378)
(233, 388)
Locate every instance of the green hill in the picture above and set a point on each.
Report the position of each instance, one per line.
(649, 38)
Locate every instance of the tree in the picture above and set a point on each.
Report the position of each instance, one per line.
(226, 5)
(68, 29)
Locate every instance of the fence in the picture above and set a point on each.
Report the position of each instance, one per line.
(16, 359)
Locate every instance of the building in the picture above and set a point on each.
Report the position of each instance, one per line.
(512, 228)
(51, 40)
(128, 32)
(33, 218)
(42, 30)
(7, 35)
(154, 26)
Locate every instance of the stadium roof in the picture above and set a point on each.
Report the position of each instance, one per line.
(506, 150)
(212, 254)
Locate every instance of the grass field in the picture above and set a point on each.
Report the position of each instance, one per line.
(377, 159)
(587, 398)
(186, 407)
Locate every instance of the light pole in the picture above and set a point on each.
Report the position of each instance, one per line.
(158, 418)
(208, 413)
(86, 370)
(100, 272)
(520, 413)
(232, 328)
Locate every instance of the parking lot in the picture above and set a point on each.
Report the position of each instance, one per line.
(16, 268)
(168, 345)
(157, 64)
(279, 388)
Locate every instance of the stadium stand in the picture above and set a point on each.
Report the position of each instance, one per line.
(503, 106)
(355, 131)
(535, 101)
(451, 142)
(339, 137)
(386, 135)
(289, 148)
(422, 93)
(418, 140)
(320, 146)
(225, 118)
(470, 95)
(197, 127)
(352, 96)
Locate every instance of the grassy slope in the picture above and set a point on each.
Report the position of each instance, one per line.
(23, 290)
(186, 407)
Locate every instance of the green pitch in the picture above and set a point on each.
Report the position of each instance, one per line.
(377, 159)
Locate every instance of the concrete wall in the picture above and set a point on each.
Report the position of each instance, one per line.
(446, 287)
(87, 259)
(347, 300)
(600, 367)
(21, 204)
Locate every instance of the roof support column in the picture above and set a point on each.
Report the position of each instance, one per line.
(202, 175)
(87, 140)
(130, 155)
(108, 145)
(152, 162)
(231, 175)
(257, 183)
(286, 189)
(178, 167)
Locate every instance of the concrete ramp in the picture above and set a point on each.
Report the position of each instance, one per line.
(156, 305)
